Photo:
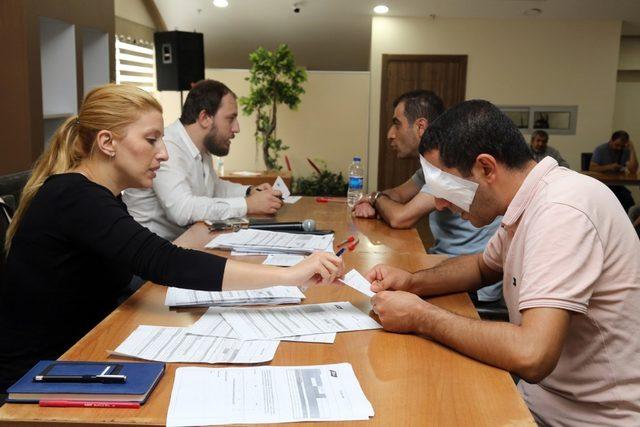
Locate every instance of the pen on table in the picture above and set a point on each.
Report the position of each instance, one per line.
(80, 378)
(87, 404)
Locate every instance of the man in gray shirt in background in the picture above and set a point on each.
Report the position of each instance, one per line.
(540, 149)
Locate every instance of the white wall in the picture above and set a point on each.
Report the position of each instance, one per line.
(514, 62)
(629, 53)
(133, 10)
(330, 124)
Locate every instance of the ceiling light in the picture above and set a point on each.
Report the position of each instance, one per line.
(220, 3)
(533, 12)
(381, 9)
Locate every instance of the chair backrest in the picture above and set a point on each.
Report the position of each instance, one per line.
(6, 212)
(585, 160)
(12, 185)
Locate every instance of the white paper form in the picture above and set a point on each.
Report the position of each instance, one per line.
(266, 394)
(357, 281)
(283, 260)
(281, 186)
(308, 319)
(169, 344)
(250, 240)
(273, 295)
(212, 324)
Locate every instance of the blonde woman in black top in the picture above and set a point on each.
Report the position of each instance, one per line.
(72, 247)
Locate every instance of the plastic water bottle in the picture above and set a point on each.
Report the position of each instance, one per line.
(356, 182)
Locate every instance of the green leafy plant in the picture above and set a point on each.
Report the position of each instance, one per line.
(274, 79)
(322, 182)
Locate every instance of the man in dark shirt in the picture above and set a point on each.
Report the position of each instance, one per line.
(615, 156)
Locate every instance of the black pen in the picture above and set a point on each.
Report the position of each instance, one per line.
(260, 189)
(80, 379)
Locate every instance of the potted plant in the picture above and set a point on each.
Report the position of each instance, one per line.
(322, 182)
(274, 79)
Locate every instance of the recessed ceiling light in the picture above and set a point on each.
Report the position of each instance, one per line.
(533, 12)
(381, 9)
(220, 3)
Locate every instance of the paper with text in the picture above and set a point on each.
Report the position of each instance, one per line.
(213, 324)
(170, 344)
(283, 260)
(266, 394)
(263, 241)
(177, 297)
(358, 282)
(308, 319)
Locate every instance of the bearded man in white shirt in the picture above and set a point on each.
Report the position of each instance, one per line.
(186, 188)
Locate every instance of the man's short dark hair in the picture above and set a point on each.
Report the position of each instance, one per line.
(420, 104)
(620, 134)
(205, 95)
(542, 134)
(472, 128)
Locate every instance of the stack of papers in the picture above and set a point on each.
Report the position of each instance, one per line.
(282, 322)
(213, 324)
(286, 194)
(274, 295)
(266, 394)
(272, 242)
(283, 260)
(169, 344)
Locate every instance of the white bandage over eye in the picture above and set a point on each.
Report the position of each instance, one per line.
(451, 188)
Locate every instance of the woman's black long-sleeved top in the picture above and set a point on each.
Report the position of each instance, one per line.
(72, 256)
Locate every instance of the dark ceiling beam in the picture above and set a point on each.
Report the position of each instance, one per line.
(156, 17)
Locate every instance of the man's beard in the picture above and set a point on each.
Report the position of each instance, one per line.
(215, 145)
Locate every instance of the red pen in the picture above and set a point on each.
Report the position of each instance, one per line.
(86, 404)
(353, 245)
(329, 199)
(347, 240)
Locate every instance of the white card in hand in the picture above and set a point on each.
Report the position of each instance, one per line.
(358, 282)
(281, 187)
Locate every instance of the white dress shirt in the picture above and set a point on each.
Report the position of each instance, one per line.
(186, 190)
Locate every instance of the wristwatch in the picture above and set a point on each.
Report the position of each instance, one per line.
(373, 197)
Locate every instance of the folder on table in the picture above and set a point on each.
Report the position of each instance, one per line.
(141, 378)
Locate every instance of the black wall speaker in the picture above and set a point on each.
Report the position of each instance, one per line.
(179, 59)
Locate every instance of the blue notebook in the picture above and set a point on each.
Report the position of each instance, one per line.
(141, 378)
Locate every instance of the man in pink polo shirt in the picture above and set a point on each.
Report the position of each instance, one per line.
(569, 259)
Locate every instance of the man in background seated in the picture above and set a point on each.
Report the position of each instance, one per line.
(569, 260)
(615, 156)
(540, 149)
(403, 206)
(186, 188)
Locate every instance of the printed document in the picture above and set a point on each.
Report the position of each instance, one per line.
(307, 319)
(213, 324)
(358, 282)
(169, 344)
(266, 394)
(283, 260)
(281, 186)
(263, 241)
(177, 297)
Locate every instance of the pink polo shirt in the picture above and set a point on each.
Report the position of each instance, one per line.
(565, 242)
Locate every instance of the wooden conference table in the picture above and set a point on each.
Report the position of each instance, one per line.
(408, 379)
(618, 178)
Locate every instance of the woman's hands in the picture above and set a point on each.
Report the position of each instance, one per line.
(318, 267)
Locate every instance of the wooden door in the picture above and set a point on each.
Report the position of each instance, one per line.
(446, 75)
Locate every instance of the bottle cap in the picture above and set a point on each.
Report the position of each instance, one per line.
(356, 159)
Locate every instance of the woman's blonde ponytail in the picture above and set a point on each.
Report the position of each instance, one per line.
(109, 107)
